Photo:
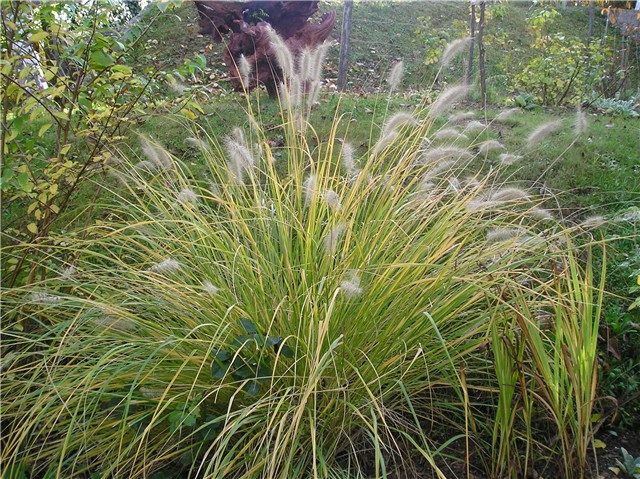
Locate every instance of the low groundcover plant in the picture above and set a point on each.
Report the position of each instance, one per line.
(320, 315)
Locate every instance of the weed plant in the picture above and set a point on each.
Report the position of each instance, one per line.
(327, 314)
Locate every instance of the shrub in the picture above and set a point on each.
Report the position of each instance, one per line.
(327, 316)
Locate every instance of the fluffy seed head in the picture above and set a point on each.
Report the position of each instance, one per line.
(435, 155)
(156, 155)
(333, 237)
(507, 115)
(210, 288)
(450, 134)
(447, 98)
(240, 159)
(166, 266)
(474, 125)
(461, 117)
(508, 159)
(347, 158)
(510, 194)
(282, 52)
(487, 146)
(396, 121)
(497, 235)
(395, 75)
(350, 287)
(581, 124)
(186, 197)
(332, 199)
(244, 68)
(542, 132)
(453, 49)
(540, 214)
(308, 188)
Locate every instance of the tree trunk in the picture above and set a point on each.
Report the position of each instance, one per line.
(345, 40)
(481, 52)
(472, 31)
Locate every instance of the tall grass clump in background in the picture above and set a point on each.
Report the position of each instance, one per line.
(328, 316)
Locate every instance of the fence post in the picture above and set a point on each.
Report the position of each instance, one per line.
(345, 39)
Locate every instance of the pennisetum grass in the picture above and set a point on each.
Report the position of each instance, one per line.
(293, 321)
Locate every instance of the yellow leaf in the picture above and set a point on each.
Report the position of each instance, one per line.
(37, 37)
(31, 207)
(639, 280)
(38, 214)
(598, 444)
(55, 209)
(189, 114)
(53, 189)
(32, 228)
(43, 129)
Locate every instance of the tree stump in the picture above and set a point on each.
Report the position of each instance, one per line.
(247, 23)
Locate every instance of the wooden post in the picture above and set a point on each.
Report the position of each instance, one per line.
(345, 39)
(481, 51)
(472, 28)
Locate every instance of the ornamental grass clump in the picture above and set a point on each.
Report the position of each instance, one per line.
(308, 319)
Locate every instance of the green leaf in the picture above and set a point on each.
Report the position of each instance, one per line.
(43, 129)
(23, 182)
(38, 37)
(248, 326)
(101, 59)
(252, 387)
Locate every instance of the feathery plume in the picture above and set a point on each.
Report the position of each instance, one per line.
(453, 49)
(40, 297)
(592, 222)
(510, 194)
(195, 143)
(177, 87)
(166, 266)
(68, 272)
(398, 120)
(106, 321)
(540, 214)
(317, 59)
(332, 199)
(454, 184)
(395, 76)
(508, 159)
(461, 117)
(384, 141)
(498, 235)
(244, 68)
(437, 154)
(314, 91)
(210, 288)
(333, 237)
(351, 287)
(305, 69)
(186, 197)
(158, 156)
(487, 146)
(282, 53)
(507, 115)
(151, 393)
(240, 159)
(447, 98)
(474, 125)
(308, 188)
(542, 132)
(450, 134)
(144, 165)
(581, 124)
(347, 158)
(439, 168)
